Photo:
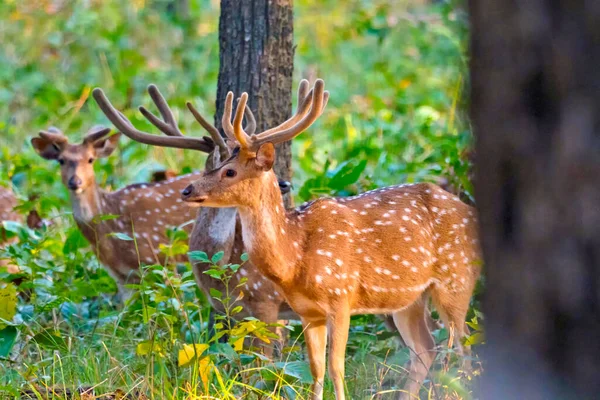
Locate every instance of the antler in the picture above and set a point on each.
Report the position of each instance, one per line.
(214, 133)
(54, 135)
(174, 136)
(95, 133)
(168, 126)
(310, 107)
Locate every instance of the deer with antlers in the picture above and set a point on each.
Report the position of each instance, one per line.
(381, 252)
(214, 229)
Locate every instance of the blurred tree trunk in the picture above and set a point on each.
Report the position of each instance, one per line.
(257, 56)
(536, 113)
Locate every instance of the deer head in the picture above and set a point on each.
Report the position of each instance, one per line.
(236, 180)
(76, 160)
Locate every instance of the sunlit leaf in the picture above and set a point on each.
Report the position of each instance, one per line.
(190, 352)
(149, 347)
(8, 303)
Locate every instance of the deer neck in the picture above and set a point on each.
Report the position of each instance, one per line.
(270, 237)
(87, 204)
(214, 231)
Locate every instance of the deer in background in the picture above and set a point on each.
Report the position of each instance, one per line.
(215, 229)
(385, 251)
(144, 211)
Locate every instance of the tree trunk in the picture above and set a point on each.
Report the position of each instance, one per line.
(536, 114)
(257, 56)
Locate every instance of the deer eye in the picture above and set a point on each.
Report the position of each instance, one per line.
(61, 161)
(230, 173)
(91, 160)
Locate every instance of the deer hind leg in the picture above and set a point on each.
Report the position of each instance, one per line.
(453, 308)
(315, 335)
(413, 326)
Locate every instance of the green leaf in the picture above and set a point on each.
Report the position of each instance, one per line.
(105, 217)
(121, 236)
(215, 293)
(148, 312)
(347, 175)
(51, 340)
(8, 336)
(214, 273)
(244, 257)
(12, 226)
(8, 303)
(74, 242)
(297, 369)
(217, 257)
(198, 256)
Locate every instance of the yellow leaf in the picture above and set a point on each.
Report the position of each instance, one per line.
(190, 352)
(8, 303)
(262, 337)
(238, 345)
(205, 366)
(404, 83)
(147, 347)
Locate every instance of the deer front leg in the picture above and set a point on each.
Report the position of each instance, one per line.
(315, 335)
(338, 326)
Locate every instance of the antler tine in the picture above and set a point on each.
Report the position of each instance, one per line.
(126, 127)
(241, 136)
(97, 132)
(169, 125)
(213, 132)
(250, 127)
(304, 103)
(319, 99)
(226, 119)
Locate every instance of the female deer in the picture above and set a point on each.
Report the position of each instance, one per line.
(144, 210)
(384, 251)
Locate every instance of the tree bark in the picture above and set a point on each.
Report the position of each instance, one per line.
(536, 115)
(257, 56)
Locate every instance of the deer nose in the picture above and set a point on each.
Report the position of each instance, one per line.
(74, 183)
(187, 191)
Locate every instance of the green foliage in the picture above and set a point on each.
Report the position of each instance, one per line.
(396, 73)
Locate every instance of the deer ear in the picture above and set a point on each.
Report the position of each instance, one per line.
(105, 147)
(46, 148)
(265, 156)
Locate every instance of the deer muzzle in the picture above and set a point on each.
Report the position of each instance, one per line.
(74, 183)
(188, 195)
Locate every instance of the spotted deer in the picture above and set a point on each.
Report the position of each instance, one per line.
(215, 229)
(382, 252)
(143, 211)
